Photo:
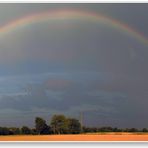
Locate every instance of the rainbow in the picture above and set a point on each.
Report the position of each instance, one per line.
(71, 14)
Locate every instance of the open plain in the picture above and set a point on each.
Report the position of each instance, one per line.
(80, 137)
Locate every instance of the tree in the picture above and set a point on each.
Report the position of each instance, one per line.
(126, 130)
(144, 130)
(74, 126)
(106, 129)
(4, 131)
(33, 131)
(14, 131)
(25, 130)
(87, 129)
(46, 130)
(117, 130)
(133, 130)
(59, 124)
(41, 126)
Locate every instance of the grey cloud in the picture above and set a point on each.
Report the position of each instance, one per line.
(76, 65)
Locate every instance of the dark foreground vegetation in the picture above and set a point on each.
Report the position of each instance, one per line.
(61, 125)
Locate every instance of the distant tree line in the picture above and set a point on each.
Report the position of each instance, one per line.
(111, 129)
(60, 124)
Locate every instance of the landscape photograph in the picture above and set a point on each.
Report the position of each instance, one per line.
(73, 72)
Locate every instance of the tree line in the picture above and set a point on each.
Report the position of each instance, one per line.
(60, 124)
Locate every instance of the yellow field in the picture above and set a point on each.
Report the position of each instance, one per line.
(80, 137)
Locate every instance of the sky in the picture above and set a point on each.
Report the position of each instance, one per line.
(70, 64)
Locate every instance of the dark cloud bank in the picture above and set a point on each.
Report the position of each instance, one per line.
(86, 66)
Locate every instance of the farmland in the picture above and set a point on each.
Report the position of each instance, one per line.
(79, 137)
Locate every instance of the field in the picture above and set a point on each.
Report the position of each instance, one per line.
(80, 137)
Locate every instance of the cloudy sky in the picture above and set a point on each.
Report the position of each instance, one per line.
(74, 65)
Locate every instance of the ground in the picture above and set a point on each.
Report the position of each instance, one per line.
(80, 137)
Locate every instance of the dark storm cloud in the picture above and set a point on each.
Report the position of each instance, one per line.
(60, 94)
(74, 66)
